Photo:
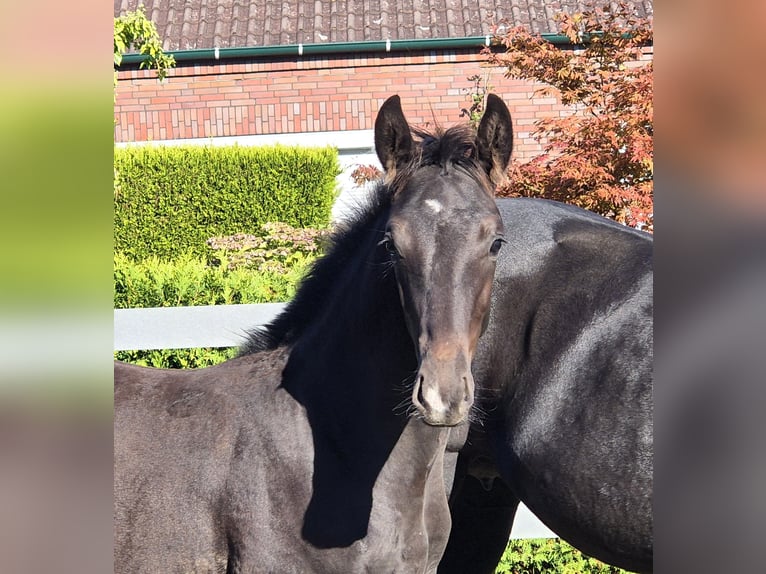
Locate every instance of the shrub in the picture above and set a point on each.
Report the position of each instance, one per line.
(363, 174)
(169, 200)
(279, 249)
(600, 154)
(549, 556)
(191, 280)
(177, 358)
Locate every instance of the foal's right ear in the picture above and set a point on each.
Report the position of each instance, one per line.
(393, 139)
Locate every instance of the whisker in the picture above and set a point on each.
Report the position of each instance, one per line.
(407, 383)
(414, 413)
(404, 387)
(403, 407)
(477, 416)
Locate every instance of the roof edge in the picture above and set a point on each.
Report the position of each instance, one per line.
(369, 46)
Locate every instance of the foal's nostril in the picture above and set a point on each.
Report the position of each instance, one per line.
(420, 399)
(417, 394)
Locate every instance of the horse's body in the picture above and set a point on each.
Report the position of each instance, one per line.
(564, 375)
(322, 447)
(226, 476)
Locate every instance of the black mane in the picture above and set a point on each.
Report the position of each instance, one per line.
(455, 146)
(315, 287)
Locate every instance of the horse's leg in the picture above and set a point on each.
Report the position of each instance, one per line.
(482, 510)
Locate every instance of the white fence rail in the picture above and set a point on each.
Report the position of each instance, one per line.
(185, 327)
(226, 326)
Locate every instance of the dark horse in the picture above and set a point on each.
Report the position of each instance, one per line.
(564, 377)
(321, 448)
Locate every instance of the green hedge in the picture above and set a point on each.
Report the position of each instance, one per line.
(192, 281)
(549, 556)
(178, 358)
(170, 200)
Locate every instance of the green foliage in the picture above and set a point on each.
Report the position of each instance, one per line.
(191, 281)
(477, 94)
(170, 200)
(278, 250)
(135, 30)
(549, 556)
(177, 358)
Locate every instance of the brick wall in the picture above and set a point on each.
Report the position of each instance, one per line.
(239, 98)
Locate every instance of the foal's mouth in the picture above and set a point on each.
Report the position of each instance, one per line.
(441, 409)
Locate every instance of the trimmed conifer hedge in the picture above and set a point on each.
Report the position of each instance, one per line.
(169, 200)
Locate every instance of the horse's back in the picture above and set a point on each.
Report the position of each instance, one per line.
(162, 489)
(569, 350)
(178, 436)
(536, 229)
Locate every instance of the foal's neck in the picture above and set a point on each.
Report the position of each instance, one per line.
(358, 355)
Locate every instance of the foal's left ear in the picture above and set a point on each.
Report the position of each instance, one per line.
(393, 139)
(494, 141)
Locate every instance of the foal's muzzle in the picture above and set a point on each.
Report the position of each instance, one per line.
(443, 391)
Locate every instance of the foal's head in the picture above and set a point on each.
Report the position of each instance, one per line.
(443, 236)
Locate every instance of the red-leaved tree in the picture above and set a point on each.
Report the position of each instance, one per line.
(599, 156)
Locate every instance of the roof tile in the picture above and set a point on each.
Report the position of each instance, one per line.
(201, 24)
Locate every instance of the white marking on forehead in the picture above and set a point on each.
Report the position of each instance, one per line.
(434, 205)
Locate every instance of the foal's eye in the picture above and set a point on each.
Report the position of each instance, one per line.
(496, 245)
(388, 244)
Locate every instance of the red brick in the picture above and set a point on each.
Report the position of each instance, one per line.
(317, 93)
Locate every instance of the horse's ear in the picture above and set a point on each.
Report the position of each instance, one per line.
(494, 141)
(393, 140)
